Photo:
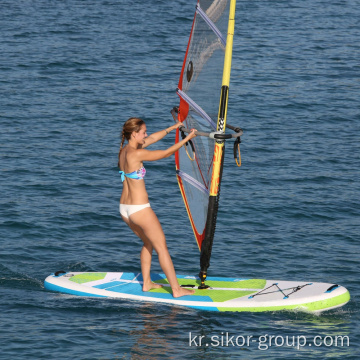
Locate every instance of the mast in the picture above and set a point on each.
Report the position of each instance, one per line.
(219, 151)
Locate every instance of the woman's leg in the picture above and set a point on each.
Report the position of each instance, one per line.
(145, 256)
(150, 226)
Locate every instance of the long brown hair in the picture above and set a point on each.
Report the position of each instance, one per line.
(132, 124)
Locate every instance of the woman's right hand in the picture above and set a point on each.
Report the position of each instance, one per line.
(192, 134)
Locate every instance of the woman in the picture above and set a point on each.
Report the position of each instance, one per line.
(135, 209)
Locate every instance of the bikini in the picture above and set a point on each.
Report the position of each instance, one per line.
(125, 209)
(137, 174)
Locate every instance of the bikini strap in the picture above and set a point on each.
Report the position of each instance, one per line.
(122, 173)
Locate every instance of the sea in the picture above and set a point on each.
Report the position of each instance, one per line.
(71, 73)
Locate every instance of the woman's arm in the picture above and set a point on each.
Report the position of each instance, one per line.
(153, 138)
(147, 155)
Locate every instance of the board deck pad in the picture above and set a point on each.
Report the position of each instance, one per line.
(224, 294)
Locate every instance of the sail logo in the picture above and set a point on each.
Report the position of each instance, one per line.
(215, 179)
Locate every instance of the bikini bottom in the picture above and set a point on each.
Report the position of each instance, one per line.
(127, 210)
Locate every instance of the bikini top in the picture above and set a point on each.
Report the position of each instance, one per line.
(137, 174)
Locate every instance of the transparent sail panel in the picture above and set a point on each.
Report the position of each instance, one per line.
(202, 75)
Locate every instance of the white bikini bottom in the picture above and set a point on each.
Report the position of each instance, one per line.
(127, 210)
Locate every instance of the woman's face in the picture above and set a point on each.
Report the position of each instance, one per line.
(141, 135)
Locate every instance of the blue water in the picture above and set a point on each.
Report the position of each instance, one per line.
(71, 72)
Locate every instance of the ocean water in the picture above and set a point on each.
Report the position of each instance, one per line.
(71, 72)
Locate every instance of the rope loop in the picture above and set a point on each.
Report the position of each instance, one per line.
(237, 154)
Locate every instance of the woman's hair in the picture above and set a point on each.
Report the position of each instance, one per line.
(131, 125)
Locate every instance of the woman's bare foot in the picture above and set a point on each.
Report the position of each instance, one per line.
(151, 285)
(182, 292)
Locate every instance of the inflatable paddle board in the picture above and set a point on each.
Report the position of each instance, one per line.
(224, 294)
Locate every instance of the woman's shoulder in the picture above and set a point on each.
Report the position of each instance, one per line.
(132, 158)
(134, 153)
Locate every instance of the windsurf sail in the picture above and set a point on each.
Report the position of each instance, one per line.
(204, 78)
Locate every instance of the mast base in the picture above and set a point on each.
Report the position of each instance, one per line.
(202, 287)
(202, 276)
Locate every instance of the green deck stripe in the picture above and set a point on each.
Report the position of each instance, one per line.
(215, 295)
(223, 295)
(243, 284)
(312, 306)
(86, 277)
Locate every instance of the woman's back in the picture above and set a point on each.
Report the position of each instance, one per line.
(134, 191)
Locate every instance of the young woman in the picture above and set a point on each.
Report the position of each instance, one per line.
(135, 209)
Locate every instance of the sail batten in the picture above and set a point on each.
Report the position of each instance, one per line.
(196, 108)
(211, 25)
(193, 181)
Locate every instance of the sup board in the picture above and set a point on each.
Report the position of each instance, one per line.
(224, 294)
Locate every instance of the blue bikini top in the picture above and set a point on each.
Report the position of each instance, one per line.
(137, 174)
